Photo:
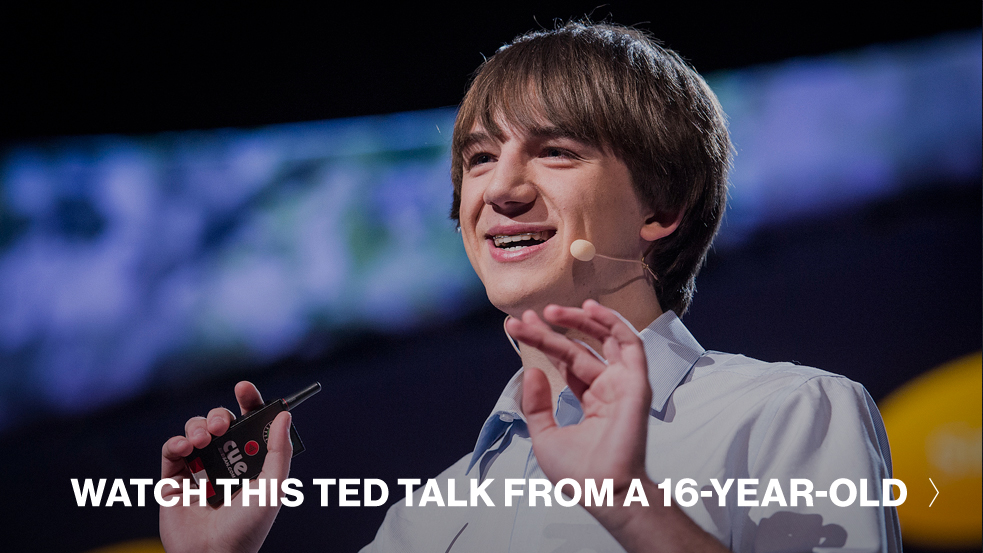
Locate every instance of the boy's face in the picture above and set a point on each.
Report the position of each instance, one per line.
(526, 196)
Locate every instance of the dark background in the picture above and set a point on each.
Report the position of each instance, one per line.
(118, 68)
(879, 293)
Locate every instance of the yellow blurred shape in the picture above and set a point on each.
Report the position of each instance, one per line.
(934, 425)
(150, 545)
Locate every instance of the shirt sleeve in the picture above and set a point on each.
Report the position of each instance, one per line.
(827, 430)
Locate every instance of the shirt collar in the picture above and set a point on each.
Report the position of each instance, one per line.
(507, 410)
(670, 350)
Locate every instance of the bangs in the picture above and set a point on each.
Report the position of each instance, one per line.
(527, 100)
(545, 82)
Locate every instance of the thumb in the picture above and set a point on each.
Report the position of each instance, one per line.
(279, 450)
(536, 403)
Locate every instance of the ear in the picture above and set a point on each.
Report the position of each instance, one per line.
(660, 225)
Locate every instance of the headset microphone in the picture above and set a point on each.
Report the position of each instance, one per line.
(584, 250)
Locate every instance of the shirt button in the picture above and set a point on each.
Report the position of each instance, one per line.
(506, 417)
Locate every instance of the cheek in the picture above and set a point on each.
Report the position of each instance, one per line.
(592, 199)
(470, 193)
(618, 192)
(470, 209)
(467, 200)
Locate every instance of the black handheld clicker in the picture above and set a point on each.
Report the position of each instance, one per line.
(240, 452)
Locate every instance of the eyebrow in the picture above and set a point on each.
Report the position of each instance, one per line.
(538, 132)
(553, 131)
(473, 138)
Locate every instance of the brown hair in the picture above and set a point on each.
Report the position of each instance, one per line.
(615, 87)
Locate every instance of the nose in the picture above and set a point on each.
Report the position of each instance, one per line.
(511, 191)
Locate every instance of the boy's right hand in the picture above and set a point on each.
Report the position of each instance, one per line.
(220, 529)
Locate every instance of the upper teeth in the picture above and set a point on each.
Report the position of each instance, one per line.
(502, 239)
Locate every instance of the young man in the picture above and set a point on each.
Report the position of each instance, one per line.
(594, 132)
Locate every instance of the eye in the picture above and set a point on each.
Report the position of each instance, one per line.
(478, 159)
(559, 154)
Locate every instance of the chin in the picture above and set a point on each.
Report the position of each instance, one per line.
(517, 290)
(517, 302)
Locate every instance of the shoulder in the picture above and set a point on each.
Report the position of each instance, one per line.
(734, 373)
(767, 403)
(790, 421)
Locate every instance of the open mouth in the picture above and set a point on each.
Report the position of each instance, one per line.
(516, 242)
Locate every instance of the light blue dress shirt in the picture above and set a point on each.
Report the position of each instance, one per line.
(713, 415)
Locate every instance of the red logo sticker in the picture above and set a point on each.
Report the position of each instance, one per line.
(252, 448)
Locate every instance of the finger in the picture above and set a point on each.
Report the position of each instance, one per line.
(613, 324)
(219, 420)
(575, 319)
(622, 343)
(279, 449)
(248, 397)
(578, 365)
(172, 458)
(196, 431)
(536, 403)
(601, 324)
(575, 363)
